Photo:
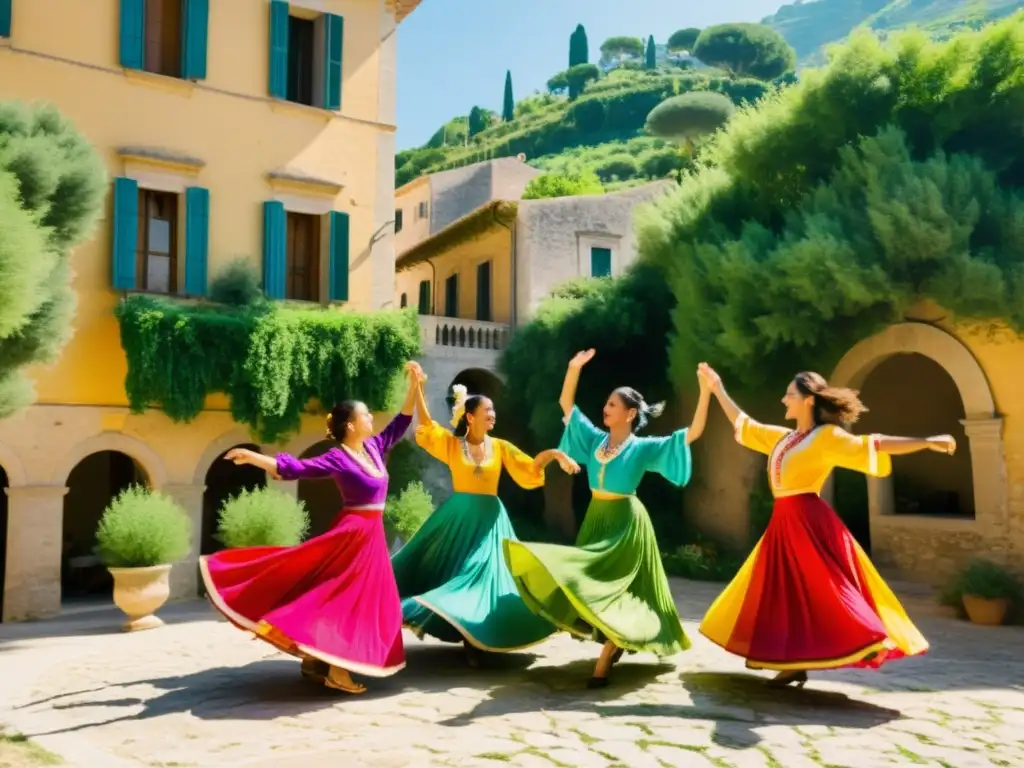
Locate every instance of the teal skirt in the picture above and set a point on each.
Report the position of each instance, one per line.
(454, 583)
(610, 586)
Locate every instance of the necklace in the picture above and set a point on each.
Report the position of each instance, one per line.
(485, 458)
(606, 452)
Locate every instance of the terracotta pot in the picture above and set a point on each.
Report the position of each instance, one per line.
(985, 611)
(140, 592)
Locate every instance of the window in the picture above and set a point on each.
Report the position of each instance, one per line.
(163, 37)
(301, 34)
(424, 301)
(157, 248)
(451, 296)
(483, 292)
(306, 52)
(600, 262)
(302, 259)
(404, 301)
(421, 210)
(398, 221)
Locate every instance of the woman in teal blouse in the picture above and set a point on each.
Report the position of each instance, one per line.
(611, 587)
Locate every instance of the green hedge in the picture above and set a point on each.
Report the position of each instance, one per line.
(271, 362)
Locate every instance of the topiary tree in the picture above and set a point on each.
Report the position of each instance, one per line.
(650, 54)
(479, 119)
(563, 185)
(579, 48)
(746, 50)
(690, 116)
(558, 84)
(683, 40)
(622, 46)
(52, 186)
(508, 108)
(577, 78)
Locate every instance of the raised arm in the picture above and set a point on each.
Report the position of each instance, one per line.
(901, 446)
(572, 379)
(700, 415)
(422, 412)
(729, 407)
(244, 456)
(749, 433)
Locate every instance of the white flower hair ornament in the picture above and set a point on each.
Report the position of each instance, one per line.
(460, 395)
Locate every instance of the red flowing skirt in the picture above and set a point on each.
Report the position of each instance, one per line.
(331, 598)
(809, 598)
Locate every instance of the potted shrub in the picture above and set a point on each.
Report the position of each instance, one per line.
(140, 536)
(262, 517)
(987, 592)
(406, 512)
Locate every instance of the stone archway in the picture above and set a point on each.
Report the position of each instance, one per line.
(982, 428)
(141, 453)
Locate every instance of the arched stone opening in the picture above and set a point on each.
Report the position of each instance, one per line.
(4, 509)
(92, 484)
(321, 497)
(919, 380)
(225, 480)
(477, 381)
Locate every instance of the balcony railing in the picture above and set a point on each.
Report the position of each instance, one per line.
(468, 334)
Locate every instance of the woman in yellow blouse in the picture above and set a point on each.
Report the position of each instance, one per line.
(808, 597)
(452, 576)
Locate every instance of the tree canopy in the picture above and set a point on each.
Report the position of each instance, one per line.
(746, 50)
(623, 46)
(52, 186)
(820, 215)
(562, 185)
(479, 119)
(579, 48)
(690, 116)
(683, 39)
(577, 78)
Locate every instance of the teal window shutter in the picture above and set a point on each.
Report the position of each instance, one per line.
(275, 249)
(339, 256)
(197, 239)
(5, 17)
(194, 39)
(600, 262)
(132, 32)
(279, 49)
(334, 45)
(125, 236)
(483, 292)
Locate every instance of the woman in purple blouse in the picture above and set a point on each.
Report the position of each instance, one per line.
(332, 600)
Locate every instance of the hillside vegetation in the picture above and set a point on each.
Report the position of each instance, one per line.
(808, 25)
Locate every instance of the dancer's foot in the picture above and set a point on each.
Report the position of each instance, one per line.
(340, 680)
(610, 653)
(797, 677)
(474, 655)
(315, 670)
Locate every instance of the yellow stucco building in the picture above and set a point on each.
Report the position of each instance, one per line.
(258, 129)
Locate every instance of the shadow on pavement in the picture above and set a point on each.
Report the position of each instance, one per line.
(101, 620)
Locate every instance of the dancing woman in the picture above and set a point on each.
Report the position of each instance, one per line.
(331, 600)
(452, 576)
(611, 587)
(808, 598)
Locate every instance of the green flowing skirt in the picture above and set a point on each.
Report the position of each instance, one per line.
(610, 586)
(454, 583)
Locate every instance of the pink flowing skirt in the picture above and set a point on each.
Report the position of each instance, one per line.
(331, 598)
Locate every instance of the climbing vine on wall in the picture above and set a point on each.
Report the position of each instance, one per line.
(271, 361)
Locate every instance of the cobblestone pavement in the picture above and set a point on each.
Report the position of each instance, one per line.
(199, 693)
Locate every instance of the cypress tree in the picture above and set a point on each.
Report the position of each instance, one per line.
(579, 50)
(651, 57)
(508, 109)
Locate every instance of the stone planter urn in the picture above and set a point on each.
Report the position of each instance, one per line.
(140, 593)
(988, 612)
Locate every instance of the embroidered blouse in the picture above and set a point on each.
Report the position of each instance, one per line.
(443, 445)
(360, 486)
(621, 473)
(800, 462)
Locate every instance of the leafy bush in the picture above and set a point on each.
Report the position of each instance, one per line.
(237, 284)
(142, 528)
(557, 185)
(52, 188)
(701, 561)
(659, 163)
(405, 464)
(746, 50)
(620, 167)
(623, 45)
(985, 579)
(405, 513)
(579, 76)
(588, 116)
(262, 517)
(271, 363)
